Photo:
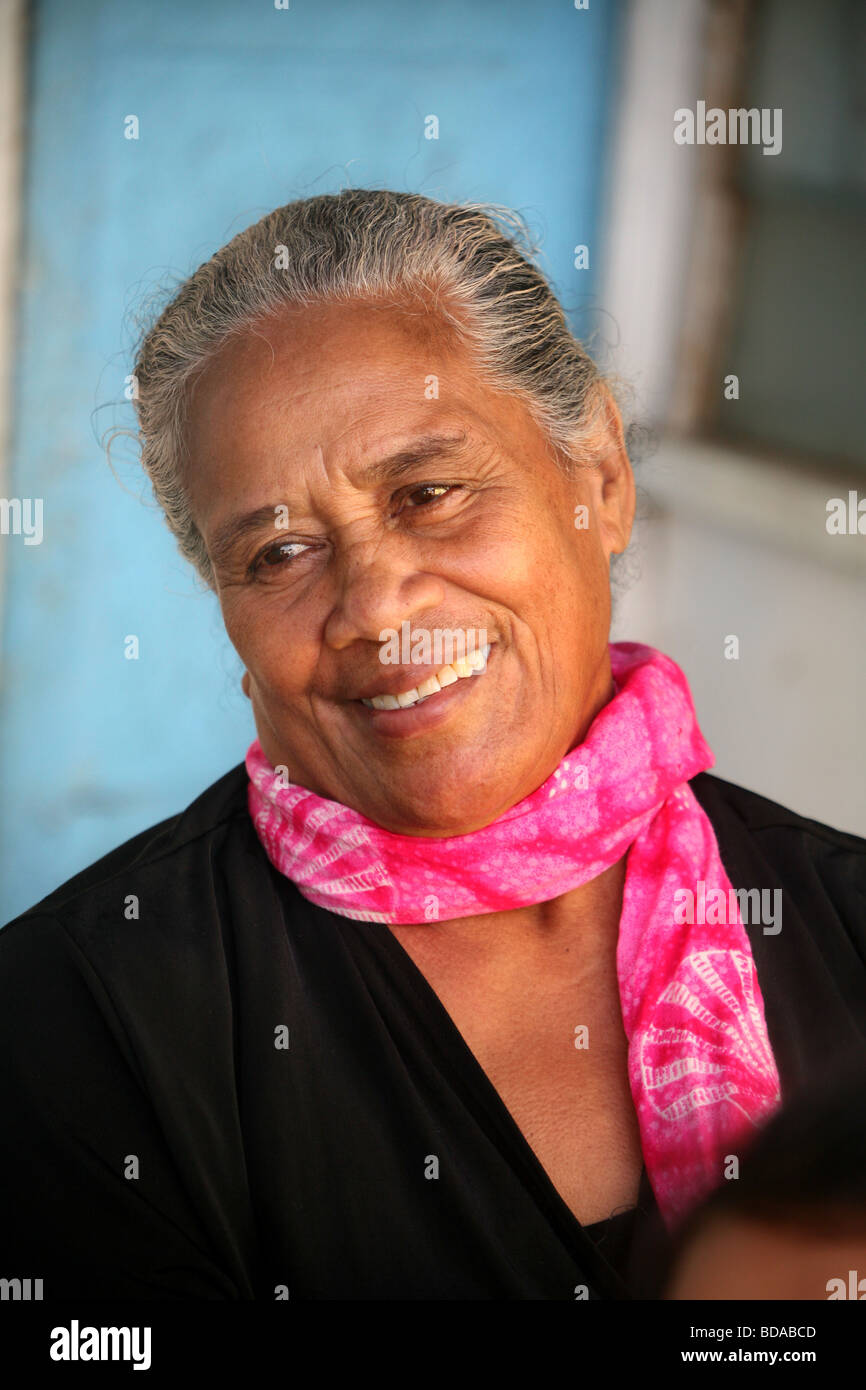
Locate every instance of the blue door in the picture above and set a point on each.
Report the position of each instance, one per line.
(155, 133)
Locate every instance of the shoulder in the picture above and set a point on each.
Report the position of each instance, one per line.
(139, 937)
(159, 898)
(738, 812)
(820, 870)
(807, 927)
(116, 1007)
(806, 923)
(156, 852)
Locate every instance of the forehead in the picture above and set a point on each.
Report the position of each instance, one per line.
(302, 365)
(329, 386)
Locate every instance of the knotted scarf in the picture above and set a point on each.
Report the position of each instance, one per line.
(701, 1069)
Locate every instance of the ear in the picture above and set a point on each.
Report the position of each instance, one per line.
(616, 494)
(245, 683)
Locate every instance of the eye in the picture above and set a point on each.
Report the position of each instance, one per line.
(442, 488)
(277, 556)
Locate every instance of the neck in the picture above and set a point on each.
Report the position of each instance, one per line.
(583, 923)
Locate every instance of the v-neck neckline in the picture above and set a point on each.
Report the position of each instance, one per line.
(463, 1059)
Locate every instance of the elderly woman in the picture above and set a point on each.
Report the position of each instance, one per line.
(469, 983)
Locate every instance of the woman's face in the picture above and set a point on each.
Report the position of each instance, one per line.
(325, 529)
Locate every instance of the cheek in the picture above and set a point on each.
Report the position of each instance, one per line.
(280, 662)
(578, 612)
(576, 574)
(516, 551)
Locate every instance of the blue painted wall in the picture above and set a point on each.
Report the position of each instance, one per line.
(242, 107)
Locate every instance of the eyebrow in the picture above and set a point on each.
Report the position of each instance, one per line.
(427, 446)
(395, 465)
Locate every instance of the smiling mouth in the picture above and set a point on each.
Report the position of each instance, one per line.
(463, 669)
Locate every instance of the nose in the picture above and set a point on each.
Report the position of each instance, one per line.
(380, 585)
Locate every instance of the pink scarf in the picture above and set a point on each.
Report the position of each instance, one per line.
(701, 1069)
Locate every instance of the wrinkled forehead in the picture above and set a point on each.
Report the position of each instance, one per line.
(319, 369)
(332, 392)
(315, 338)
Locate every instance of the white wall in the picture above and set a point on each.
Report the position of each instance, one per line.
(730, 545)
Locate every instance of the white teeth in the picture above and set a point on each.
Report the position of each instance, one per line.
(465, 666)
(429, 687)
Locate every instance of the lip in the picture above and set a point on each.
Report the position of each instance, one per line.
(417, 719)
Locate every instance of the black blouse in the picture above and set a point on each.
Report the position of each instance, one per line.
(158, 1143)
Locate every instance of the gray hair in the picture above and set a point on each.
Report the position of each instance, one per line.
(472, 264)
